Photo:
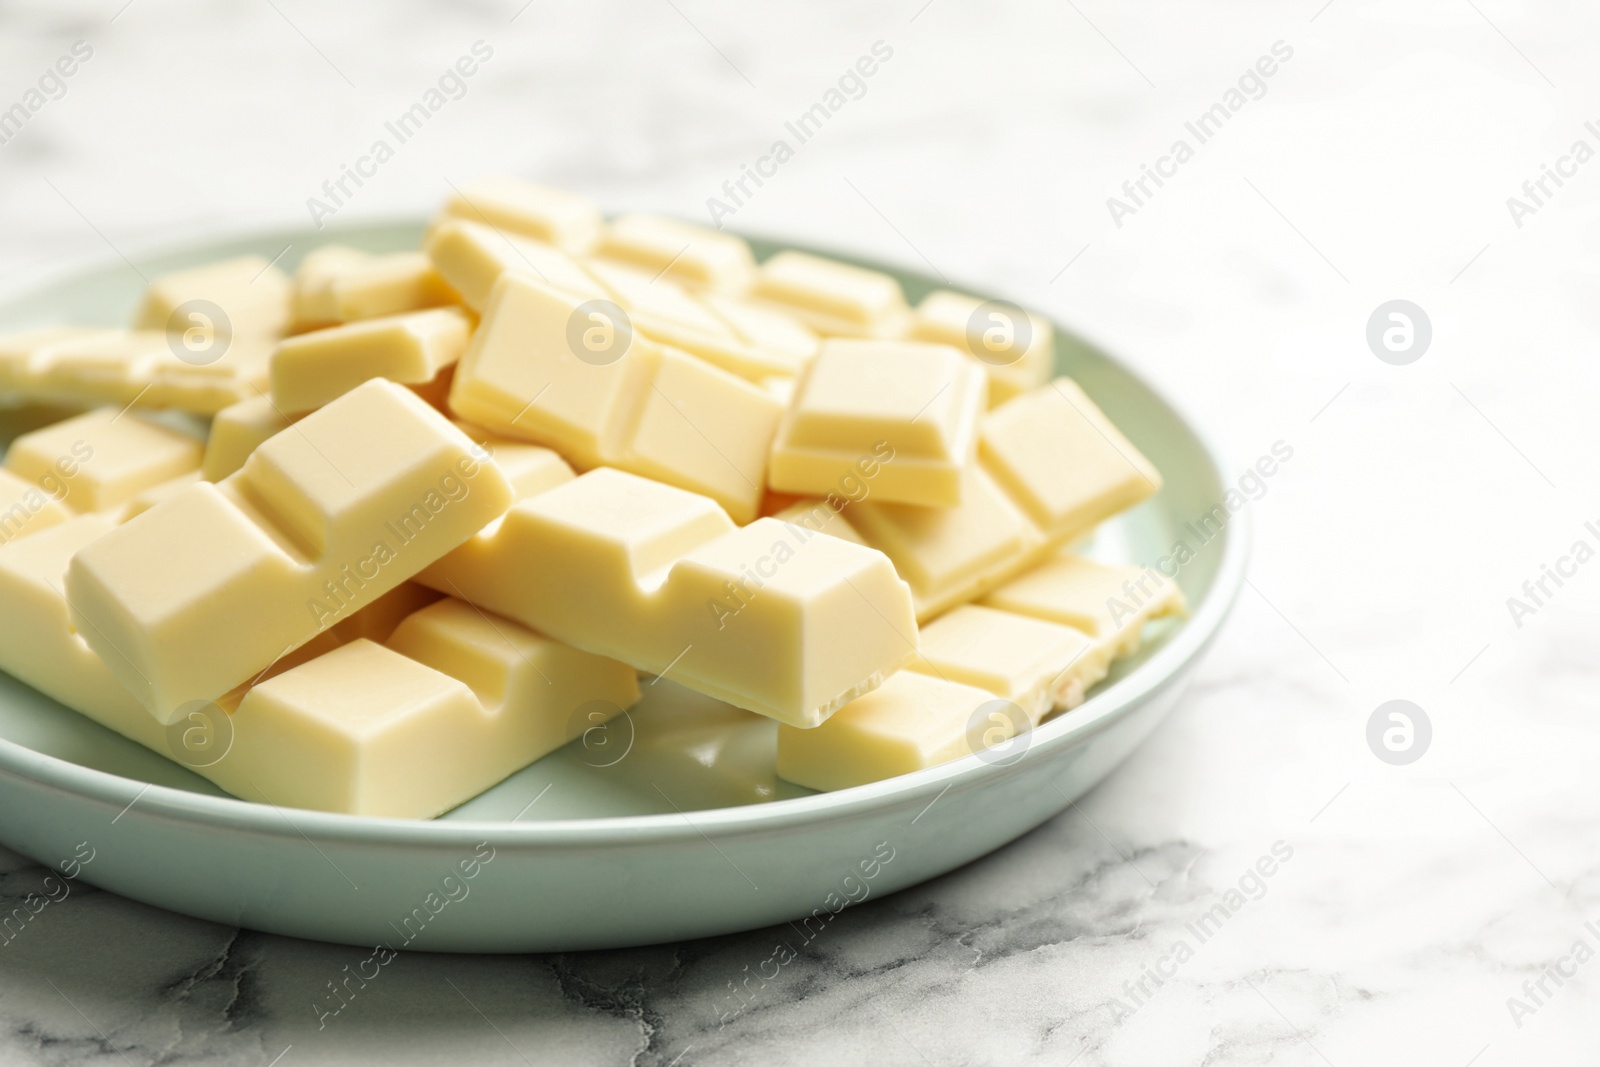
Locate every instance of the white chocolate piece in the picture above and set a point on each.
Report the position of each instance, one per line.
(767, 617)
(237, 431)
(627, 403)
(696, 256)
(554, 216)
(311, 369)
(18, 378)
(205, 388)
(351, 727)
(1062, 460)
(835, 299)
(703, 430)
(337, 284)
(103, 458)
(472, 257)
(1039, 666)
(1017, 352)
(108, 367)
(252, 293)
(455, 703)
(200, 593)
(361, 723)
(25, 508)
(1050, 467)
(1038, 646)
(125, 367)
(911, 722)
(1109, 603)
(915, 407)
(498, 385)
(388, 285)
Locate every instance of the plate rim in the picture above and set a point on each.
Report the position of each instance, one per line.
(1102, 710)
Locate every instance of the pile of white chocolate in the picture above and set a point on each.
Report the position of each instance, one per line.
(452, 502)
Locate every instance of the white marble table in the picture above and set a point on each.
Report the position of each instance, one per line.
(1416, 901)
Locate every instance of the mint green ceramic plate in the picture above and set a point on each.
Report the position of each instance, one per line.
(625, 842)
